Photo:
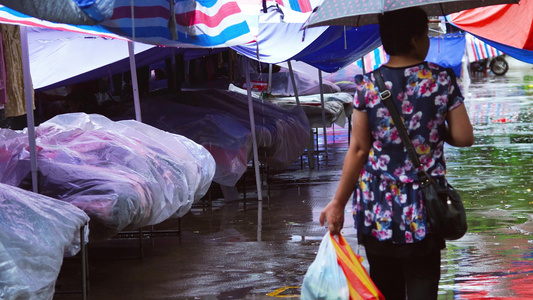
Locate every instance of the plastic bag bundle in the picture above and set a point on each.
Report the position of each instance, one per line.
(337, 273)
(35, 233)
(324, 279)
(220, 121)
(124, 175)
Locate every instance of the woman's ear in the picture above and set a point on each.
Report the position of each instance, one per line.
(421, 45)
(416, 39)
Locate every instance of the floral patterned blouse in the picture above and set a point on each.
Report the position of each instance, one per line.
(387, 202)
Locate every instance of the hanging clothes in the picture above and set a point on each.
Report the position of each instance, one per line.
(12, 55)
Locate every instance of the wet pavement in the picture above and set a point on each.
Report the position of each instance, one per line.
(242, 249)
(249, 249)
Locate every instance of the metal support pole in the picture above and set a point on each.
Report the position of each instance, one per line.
(134, 84)
(269, 90)
(28, 94)
(83, 263)
(254, 138)
(323, 111)
(293, 83)
(133, 67)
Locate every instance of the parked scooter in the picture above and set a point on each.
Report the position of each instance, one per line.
(498, 65)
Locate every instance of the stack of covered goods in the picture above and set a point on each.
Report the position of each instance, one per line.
(219, 120)
(124, 175)
(36, 232)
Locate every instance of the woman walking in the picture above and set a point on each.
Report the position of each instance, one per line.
(390, 218)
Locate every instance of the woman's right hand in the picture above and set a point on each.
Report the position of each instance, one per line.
(333, 214)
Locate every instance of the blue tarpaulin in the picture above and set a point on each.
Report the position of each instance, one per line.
(447, 51)
(344, 47)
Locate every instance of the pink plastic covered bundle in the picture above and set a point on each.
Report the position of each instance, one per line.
(124, 175)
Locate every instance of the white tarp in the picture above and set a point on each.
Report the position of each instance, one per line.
(59, 55)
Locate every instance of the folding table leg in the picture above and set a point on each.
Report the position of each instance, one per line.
(84, 264)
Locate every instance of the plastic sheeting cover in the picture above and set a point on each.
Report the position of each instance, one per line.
(124, 175)
(306, 84)
(35, 233)
(337, 106)
(219, 120)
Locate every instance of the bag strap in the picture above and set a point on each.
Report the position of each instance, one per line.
(386, 97)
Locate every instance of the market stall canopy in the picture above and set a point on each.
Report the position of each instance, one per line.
(446, 50)
(362, 12)
(332, 48)
(505, 27)
(253, 8)
(60, 58)
(477, 50)
(57, 57)
(338, 47)
(327, 48)
(62, 54)
(200, 23)
(193, 24)
(79, 12)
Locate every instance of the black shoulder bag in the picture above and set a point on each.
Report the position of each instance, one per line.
(445, 211)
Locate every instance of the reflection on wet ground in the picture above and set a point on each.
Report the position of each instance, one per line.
(261, 250)
(495, 260)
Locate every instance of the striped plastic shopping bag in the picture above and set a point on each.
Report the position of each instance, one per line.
(324, 279)
(337, 274)
(359, 283)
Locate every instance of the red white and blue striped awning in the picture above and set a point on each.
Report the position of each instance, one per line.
(477, 49)
(373, 60)
(200, 23)
(194, 24)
